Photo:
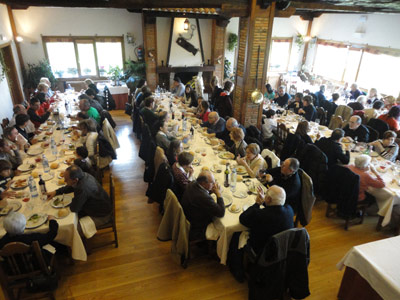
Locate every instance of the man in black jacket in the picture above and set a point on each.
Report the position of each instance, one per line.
(214, 124)
(198, 205)
(332, 148)
(224, 135)
(356, 130)
(282, 98)
(287, 177)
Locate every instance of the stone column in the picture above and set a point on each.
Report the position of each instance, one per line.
(254, 31)
(150, 50)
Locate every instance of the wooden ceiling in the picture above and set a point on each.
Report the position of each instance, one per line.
(224, 7)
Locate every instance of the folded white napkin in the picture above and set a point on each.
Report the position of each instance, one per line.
(88, 226)
(212, 233)
(244, 236)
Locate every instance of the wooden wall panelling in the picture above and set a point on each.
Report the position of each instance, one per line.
(218, 49)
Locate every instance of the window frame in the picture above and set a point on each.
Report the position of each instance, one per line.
(84, 40)
(283, 40)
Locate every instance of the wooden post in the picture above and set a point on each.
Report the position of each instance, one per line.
(150, 50)
(218, 48)
(15, 34)
(254, 30)
(307, 44)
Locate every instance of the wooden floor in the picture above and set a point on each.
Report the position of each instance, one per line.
(142, 268)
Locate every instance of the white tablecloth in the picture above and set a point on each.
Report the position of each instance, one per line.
(114, 90)
(67, 232)
(379, 264)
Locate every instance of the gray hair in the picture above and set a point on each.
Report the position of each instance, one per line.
(277, 195)
(14, 223)
(235, 123)
(89, 81)
(89, 124)
(254, 148)
(362, 99)
(362, 161)
(85, 103)
(282, 87)
(294, 164)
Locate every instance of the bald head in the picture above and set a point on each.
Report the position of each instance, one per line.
(354, 122)
(206, 180)
(275, 196)
(231, 123)
(213, 117)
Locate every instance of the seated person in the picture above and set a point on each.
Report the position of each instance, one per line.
(198, 205)
(84, 106)
(359, 103)
(41, 95)
(297, 103)
(163, 137)
(89, 84)
(189, 96)
(354, 91)
(224, 135)
(387, 147)
(373, 113)
(21, 121)
(287, 177)
(269, 125)
(253, 161)
(145, 92)
(302, 131)
(33, 113)
(175, 148)
(265, 222)
(269, 92)
(391, 118)
(239, 145)
(356, 131)
(15, 140)
(19, 109)
(204, 111)
(14, 225)
(372, 96)
(282, 98)
(5, 180)
(82, 160)
(89, 137)
(331, 107)
(90, 199)
(215, 124)
(183, 172)
(333, 149)
(308, 111)
(197, 109)
(12, 156)
(362, 167)
(149, 116)
(50, 94)
(141, 83)
(178, 87)
(93, 102)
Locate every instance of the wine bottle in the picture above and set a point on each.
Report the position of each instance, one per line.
(226, 182)
(42, 187)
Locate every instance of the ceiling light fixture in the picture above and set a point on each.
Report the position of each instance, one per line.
(19, 39)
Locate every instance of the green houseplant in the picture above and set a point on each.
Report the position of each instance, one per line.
(232, 41)
(3, 66)
(34, 72)
(134, 71)
(115, 74)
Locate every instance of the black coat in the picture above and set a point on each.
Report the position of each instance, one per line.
(310, 113)
(163, 181)
(282, 101)
(333, 151)
(362, 133)
(293, 145)
(224, 135)
(224, 105)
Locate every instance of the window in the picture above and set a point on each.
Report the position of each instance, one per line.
(280, 55)
(326, 66)
(72, 57)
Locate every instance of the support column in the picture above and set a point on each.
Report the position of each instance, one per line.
(254, 30)
(218, 48)
(150, 50)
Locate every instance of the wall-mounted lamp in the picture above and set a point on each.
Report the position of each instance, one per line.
(186, 25)
(19, 39)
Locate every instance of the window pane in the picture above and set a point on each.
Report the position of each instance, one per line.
(86, 59)
(62, 59)
(380, 71)
(353, 60)
(108, 55)
(279, 56)
(330, 62)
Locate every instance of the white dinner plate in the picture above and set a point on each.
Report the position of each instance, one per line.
(226, 155)
(51, 158)
(235, 208)
(240, 194)
(216, 169)
(35, 220)
(227, 199)
(63, 217)
(241, 170)
(57, 201)
(47, 176)
(20, 184)
(14, 205)
(26, 167)
(35, 151)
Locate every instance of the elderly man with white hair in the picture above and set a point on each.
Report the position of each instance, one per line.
(359, 104)
(14, 224)
(356, 131)
(225, 135)
(354, 91)
(215, 123)
(282, 98)
(363, 168)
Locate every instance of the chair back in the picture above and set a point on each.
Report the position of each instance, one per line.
(321, 115)
(373, 134)
(159, 158)
(112, 197)
(379, 125)
(344, 111)
(282, 132)
(336, 122)
(21, 262)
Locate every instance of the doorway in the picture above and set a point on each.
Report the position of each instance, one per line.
(12, 74)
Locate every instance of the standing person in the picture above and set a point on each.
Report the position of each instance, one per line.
(282, 98)
(178, 88)
(308, 111)
(189, 97)
(216, 91)
(269, 93)
(90, 199)
(224, 102)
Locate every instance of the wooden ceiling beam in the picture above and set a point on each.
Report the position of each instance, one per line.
(309, 5)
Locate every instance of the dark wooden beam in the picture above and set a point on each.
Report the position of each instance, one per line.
(325, 7)
(200, 41)
(185, 69)
(15, 34)
(171, 31)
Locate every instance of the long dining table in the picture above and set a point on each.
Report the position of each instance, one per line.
(32, 166)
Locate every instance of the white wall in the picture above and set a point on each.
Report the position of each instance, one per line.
(179, 56)
(6, 104)
(380, 29)
(36, 21)
(233, 27)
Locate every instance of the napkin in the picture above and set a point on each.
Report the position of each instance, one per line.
(212, 233)
(49, 248)
(88, 226)
(244, 236)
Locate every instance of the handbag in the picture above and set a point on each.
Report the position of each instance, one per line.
(43, 283)
(128, 109)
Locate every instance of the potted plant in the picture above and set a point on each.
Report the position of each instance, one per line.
(115, 74)
(232, 41)
(134, 71)
(72, 71)
(34, 72)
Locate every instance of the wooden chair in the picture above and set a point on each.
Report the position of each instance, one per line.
(331, 211)
(282, 133)
(20, 263)
(104, 229)
(322, 115)
(336, 122)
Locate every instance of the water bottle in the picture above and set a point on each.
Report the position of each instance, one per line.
(46, 166)
(32, 188)
(233, 179)
(184, 124)
(53, 147)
